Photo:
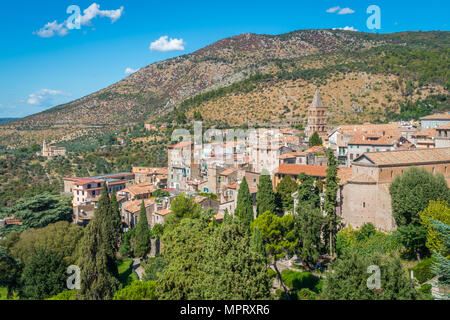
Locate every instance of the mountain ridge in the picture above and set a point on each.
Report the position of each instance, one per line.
(155, 90)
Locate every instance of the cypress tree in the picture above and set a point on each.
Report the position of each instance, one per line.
(257, 243)
(142, 240)
(244, 206)
(97, 256)
(116, 217)
(265, 197)
(285, 189)
(331, 189)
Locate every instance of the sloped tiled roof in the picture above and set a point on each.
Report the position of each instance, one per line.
(296, 169)
(408, 157)
(362, 140)
(134, 206)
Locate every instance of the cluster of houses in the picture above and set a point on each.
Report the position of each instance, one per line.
(369, 157)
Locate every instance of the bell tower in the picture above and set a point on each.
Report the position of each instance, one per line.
(317, 117)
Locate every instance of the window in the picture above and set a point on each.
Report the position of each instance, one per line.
(364, 204)
(367, 150)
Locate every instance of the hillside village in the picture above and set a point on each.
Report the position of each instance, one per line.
(370, 156)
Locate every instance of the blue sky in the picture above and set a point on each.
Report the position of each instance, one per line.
(39, 70)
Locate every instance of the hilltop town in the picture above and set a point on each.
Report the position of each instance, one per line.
(370, 156)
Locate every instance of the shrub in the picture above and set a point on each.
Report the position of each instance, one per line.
(138, 290)
(422, 271)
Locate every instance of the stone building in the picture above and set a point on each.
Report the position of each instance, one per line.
(365, 196)
(443, 136)
(50, 152)
(317, 117)
(435, 120)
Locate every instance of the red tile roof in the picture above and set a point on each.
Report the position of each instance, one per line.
(296, 169)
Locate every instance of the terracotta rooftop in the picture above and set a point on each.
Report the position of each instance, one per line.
(134, 206)
(163, 212)
(139, 189)
(444, 127)
(227, 172)
(430, 133)
(407, 157)
(181, 145)
(290, 155)
(363, 140)
(296, 169)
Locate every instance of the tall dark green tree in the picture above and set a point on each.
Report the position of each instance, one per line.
(315, 140)
(309, 221)
(331, 190)
(142, 239)
(244, 205)
(285, 189)
(116, 217)
(308, 193)
(265, 197)
(97, 255)
(257, 243)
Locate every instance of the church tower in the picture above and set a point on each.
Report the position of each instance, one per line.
(44, 149)
(317, 117)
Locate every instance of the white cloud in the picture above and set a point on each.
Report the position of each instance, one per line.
(53, 28)
(44, 97)
(333, 9)
(129, 71)
(94, 10)
(164, 45)
(346, 28)
(346, 11)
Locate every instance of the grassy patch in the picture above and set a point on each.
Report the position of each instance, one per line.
(301, 280)
(126, 274)
(3, 293)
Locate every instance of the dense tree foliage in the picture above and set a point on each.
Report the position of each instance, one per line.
(441, 266)
(97, 255)
(244, 205)
(411, 193)
(285, 189)
(38, 212)
(44, 275)
(61, 237)
(233, 272)
(330, 205)
(137, 290)
(315, 140)
(349, 279)
(265, 197)
(436, 210)
(308, 226)
(142, 240)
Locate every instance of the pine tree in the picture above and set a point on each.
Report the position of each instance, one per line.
(97, 256)
(315, 140)
(142, 240)
(331, 189)
(265, 197)
(106, 217)
(244, 205)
